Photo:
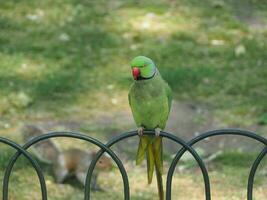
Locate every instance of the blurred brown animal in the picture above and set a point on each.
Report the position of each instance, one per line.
(72, 162)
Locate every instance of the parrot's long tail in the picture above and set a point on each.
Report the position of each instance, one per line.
(158, 154)
(152, 147)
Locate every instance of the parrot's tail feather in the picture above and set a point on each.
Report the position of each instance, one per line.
(152, 148)
(141, 149)
(150, 162)
(158, 155)
(160, 184)
(158, 152)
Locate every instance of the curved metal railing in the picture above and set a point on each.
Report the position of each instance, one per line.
(186, 146)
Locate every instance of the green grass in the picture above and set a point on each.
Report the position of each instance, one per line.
(236, 166)
(58, 52)
(68, 60)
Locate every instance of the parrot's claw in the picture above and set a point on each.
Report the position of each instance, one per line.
(157, 131)
(140, 131)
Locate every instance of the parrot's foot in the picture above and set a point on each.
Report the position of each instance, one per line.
(140, 131)
(157, 131)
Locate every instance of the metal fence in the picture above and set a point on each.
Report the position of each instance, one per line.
(186, 146)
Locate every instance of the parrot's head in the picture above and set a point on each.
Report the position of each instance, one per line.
(143, 68)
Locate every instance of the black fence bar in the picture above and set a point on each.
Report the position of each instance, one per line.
(33, 163)
(70, 135)
(208, 134)
(163, 134)
(253, 172)
(186, 146)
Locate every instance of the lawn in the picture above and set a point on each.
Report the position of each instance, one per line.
(65, 65)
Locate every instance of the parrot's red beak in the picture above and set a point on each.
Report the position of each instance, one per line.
(136, 72)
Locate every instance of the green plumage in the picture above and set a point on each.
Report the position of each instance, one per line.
(150, 101)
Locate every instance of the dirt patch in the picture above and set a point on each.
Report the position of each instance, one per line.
(245, 12)
(187, 120)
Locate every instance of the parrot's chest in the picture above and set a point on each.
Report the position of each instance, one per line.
(149, 106)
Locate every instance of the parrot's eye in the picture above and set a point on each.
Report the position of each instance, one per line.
(142, 66)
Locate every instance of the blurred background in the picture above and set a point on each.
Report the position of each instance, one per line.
(65, 66)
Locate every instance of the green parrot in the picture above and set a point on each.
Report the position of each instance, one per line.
(150, 100)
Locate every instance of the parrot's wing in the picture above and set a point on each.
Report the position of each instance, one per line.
(129, 98)
(169, 94)
(129, 95)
